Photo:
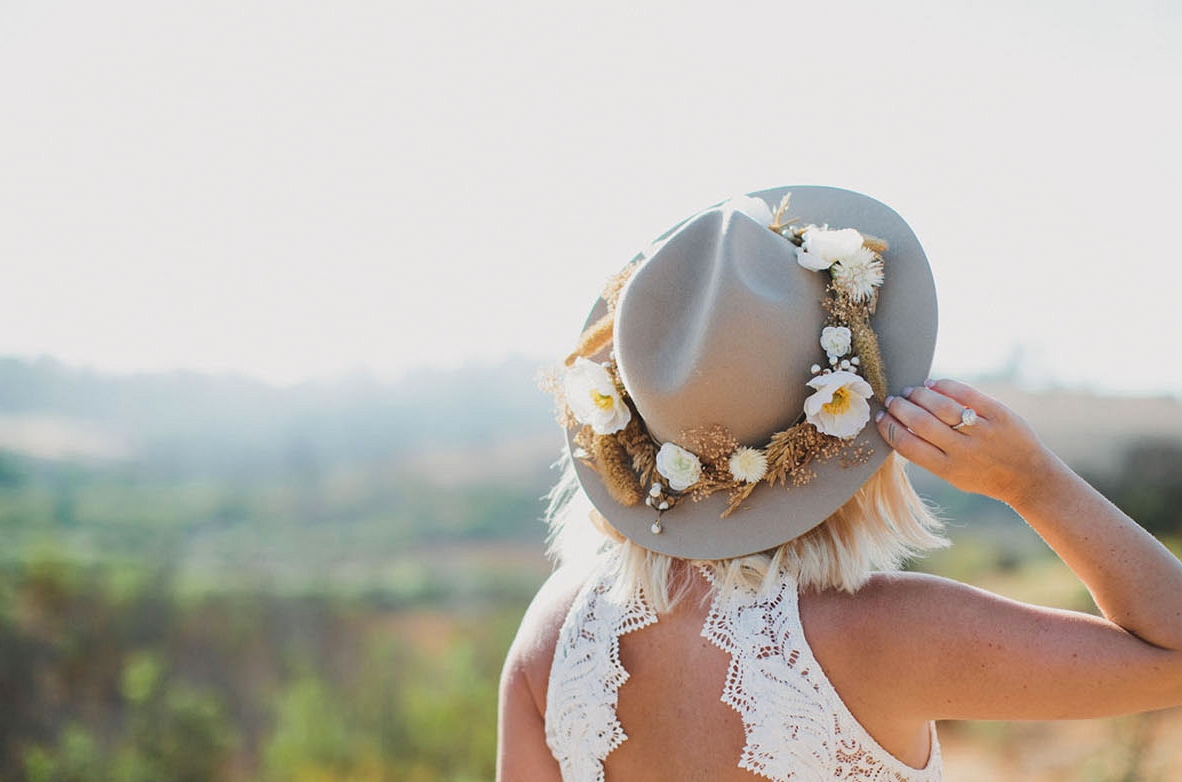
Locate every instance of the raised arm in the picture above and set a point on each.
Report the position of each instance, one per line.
(987, 657)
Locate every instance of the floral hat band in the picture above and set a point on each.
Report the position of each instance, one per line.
(717, 401)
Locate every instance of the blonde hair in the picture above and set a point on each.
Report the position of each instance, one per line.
(879, 528)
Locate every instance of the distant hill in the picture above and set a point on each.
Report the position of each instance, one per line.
(181, 422)
(1090, 431)
(478, 421)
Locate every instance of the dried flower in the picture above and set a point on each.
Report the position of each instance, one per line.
(748, 464)
(678, 466)
(858, 274)
(839, 406)
(835, 340)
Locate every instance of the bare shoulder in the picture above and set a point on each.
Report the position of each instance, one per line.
(886, 607)
(532, 651)
(914, 625)
(940, 649)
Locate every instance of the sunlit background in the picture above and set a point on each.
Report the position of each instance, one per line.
(277, 278)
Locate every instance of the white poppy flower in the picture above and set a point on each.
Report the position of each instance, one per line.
(755, 208)
(836, 340)
(821, 248)
(594, 399)
(748, 464)
(678, 466)
(839, 406)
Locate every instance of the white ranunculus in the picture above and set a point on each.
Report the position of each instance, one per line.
(755, 208)
(678, 466)
(821, 248)
(835, 340)
(839, 406)
(594, 399)
(748, 464)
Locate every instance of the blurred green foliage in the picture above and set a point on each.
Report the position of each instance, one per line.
(265, 590)
(125, 680)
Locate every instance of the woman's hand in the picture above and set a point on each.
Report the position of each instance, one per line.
(976, 655)
(998, 456)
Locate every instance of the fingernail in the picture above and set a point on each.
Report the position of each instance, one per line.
(907, 392)
(887, 402)
(878, 416)
(929, 383)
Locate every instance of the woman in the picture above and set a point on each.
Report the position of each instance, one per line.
(730, 414)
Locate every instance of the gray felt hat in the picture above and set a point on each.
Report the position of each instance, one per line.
(719, 326)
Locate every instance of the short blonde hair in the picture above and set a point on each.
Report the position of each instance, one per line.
(884, 524)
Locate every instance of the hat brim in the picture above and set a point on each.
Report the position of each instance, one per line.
(905, 323)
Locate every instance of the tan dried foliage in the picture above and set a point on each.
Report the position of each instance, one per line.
(737, 497)
(594, 338)
(874, 244)
(790, 451)
(584, 438)
(711, 482)
(641, 448)
(856, 315)
(614, 465)
(712, 444)
(549, 380)
(865, 344)
(615, 284)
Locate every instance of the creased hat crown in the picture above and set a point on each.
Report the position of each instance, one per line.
(708, 330)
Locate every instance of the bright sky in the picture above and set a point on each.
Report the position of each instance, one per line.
(298, 189)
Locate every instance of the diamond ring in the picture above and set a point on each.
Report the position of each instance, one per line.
(968, 417)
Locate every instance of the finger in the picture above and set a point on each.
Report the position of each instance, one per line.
(923, 423)
(948, 410)
(910, 446)
(985, 405)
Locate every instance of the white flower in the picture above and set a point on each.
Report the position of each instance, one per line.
(678, 466)
(755, 208)
(594, 399)
(835, 340)
(822, 248)
(748, 464)
(858, 274)
(839, 406)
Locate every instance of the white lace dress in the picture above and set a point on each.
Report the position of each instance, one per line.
(797, 727)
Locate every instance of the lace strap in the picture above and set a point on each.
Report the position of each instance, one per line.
(796, 725)
(585, 679)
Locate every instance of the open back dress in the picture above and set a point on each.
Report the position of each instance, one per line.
(796, 726)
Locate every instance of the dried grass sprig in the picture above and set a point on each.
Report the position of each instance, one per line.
(865, 344)
(874, 244)
(790, 450)
(779, 222)
(641, 448)
(614, 466)
(594, 338)
(737, 497)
